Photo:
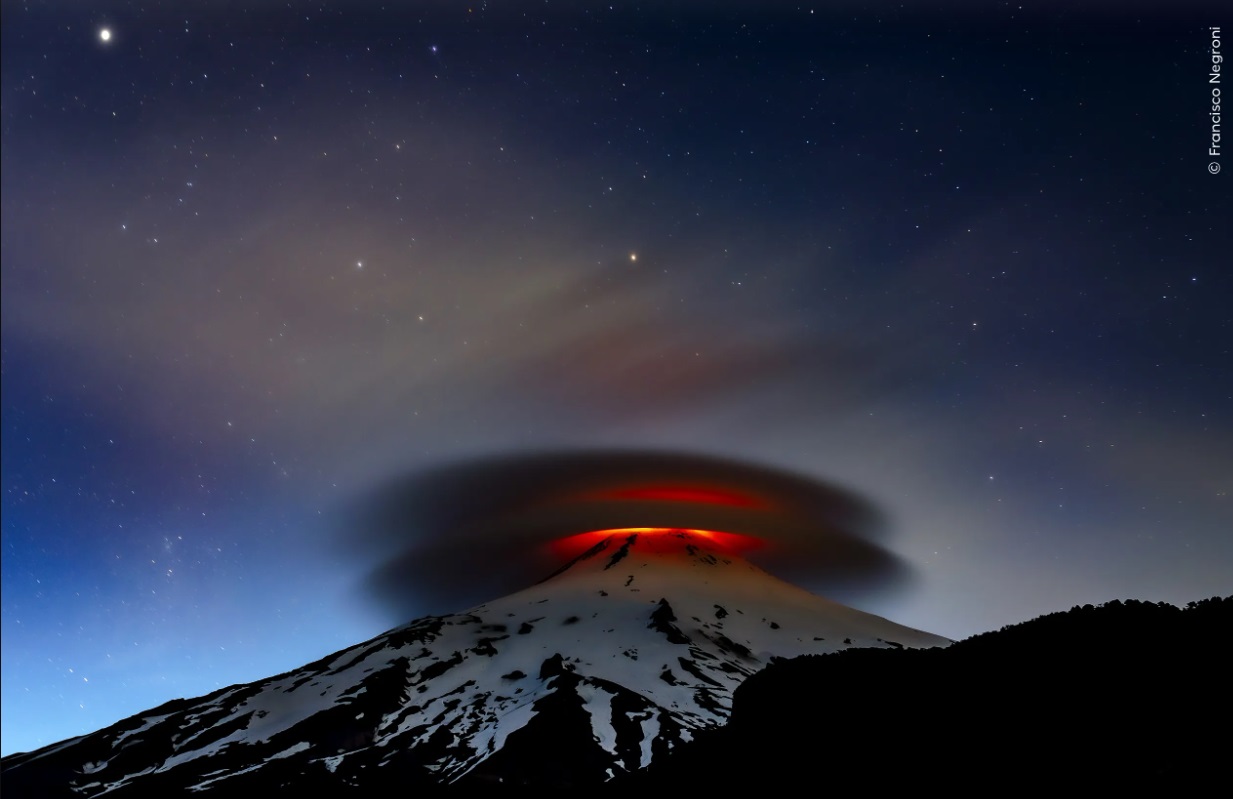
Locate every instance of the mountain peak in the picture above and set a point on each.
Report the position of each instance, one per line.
(646, 547)
(629, 649)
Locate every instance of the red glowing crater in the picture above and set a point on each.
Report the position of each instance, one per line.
(572, 546)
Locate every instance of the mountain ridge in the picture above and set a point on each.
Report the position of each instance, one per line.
(626, 652)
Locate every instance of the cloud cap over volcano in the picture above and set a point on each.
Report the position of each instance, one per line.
(452, 536)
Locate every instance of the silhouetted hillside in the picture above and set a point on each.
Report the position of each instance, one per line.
(1125, 695)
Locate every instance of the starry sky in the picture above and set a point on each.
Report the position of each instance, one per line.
(259, 260)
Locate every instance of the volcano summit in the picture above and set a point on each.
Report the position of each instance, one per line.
(618, 657)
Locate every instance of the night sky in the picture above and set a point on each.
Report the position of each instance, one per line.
(258, 262)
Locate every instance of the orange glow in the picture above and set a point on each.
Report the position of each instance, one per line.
(679, 493)
(574, 545)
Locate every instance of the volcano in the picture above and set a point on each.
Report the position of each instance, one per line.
(622, 655)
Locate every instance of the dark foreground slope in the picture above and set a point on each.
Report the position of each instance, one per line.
(1128, 695)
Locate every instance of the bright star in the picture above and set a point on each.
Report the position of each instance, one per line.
(105, 34)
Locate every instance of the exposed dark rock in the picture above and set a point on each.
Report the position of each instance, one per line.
(661, 621)
(620, 554)
(691, 669)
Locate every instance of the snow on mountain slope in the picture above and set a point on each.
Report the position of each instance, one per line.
(621, 655)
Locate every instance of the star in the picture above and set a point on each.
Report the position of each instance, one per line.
(104, 35)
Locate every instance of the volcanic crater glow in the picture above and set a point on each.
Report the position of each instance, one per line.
(574, 545)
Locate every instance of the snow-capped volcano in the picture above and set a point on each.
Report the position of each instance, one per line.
(619, 656)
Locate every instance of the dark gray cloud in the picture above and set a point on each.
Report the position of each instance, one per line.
(451, 536)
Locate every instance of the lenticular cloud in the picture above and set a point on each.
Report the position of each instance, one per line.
(449, 537)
